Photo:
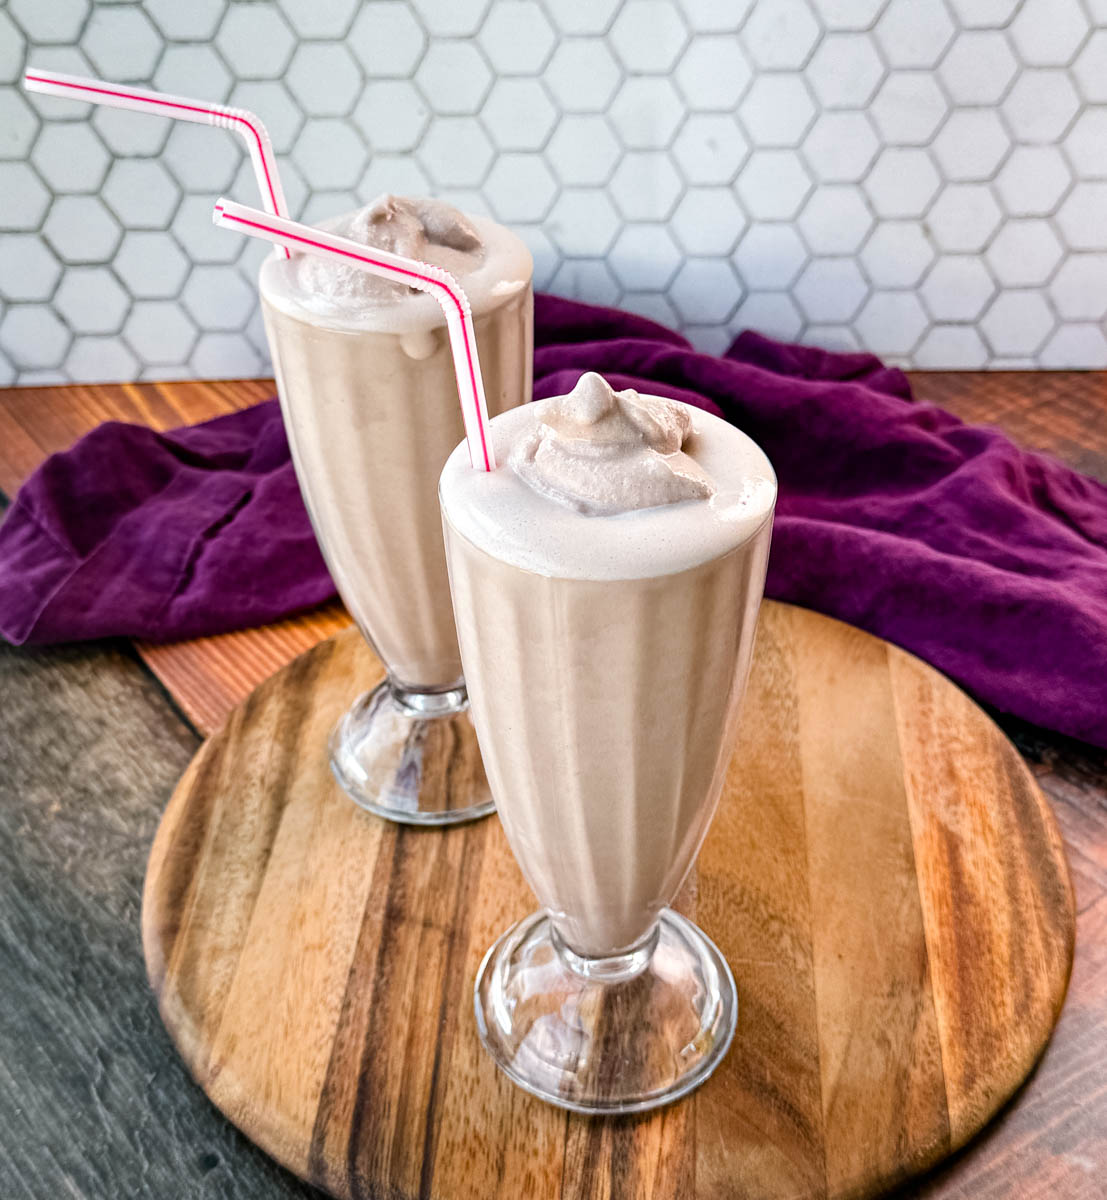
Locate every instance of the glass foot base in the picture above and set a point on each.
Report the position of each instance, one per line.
(616, 1035)
(411, 757)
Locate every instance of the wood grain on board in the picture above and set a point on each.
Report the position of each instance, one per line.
(314, 964)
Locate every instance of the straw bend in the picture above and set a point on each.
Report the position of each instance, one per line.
(181, 108)
(408, 271)
(250, 128)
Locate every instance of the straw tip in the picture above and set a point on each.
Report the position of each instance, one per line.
(217, 212)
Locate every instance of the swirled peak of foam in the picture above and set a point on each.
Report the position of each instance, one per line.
(502, 514)
(414, 226)
(488, 260)
(603, 452)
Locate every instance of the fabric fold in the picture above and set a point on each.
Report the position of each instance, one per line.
(160, 535)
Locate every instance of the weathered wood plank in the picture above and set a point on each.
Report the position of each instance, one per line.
(1063, 413)
(94, 1103)
(209, 676)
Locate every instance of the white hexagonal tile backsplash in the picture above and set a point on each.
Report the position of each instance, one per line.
(924, 178)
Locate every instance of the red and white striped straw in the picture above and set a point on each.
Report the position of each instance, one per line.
(181, 108)
(409, 271)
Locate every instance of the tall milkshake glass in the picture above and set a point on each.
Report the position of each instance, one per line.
(606, 582)
(369, 399)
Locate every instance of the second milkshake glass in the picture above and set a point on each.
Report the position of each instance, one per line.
(606, 661)
(371, 408)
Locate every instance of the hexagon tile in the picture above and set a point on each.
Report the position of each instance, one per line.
(924, 178)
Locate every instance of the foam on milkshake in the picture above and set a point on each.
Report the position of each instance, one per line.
(487, 259)
(627, 466)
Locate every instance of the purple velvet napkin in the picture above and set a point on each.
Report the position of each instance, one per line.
(987, 561)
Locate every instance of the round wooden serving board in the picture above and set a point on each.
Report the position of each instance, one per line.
(883, 876)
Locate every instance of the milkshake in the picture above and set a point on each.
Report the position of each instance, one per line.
(606, 584)
(369, 399)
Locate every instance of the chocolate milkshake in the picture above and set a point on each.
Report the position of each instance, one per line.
(606, 584)
(369, 399)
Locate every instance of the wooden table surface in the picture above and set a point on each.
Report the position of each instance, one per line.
(94, 1101)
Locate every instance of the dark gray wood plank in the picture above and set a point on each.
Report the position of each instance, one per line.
(94, 1102)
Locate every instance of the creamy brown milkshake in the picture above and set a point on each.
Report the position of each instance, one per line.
(369, 399)
(606, 584)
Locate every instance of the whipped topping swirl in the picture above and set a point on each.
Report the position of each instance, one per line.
(414, 226)
(604, 452)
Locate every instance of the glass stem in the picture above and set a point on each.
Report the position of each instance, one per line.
(439, 702)
(614, 968)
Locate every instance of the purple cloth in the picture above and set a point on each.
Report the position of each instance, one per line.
(987, 561)
(160, 535)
